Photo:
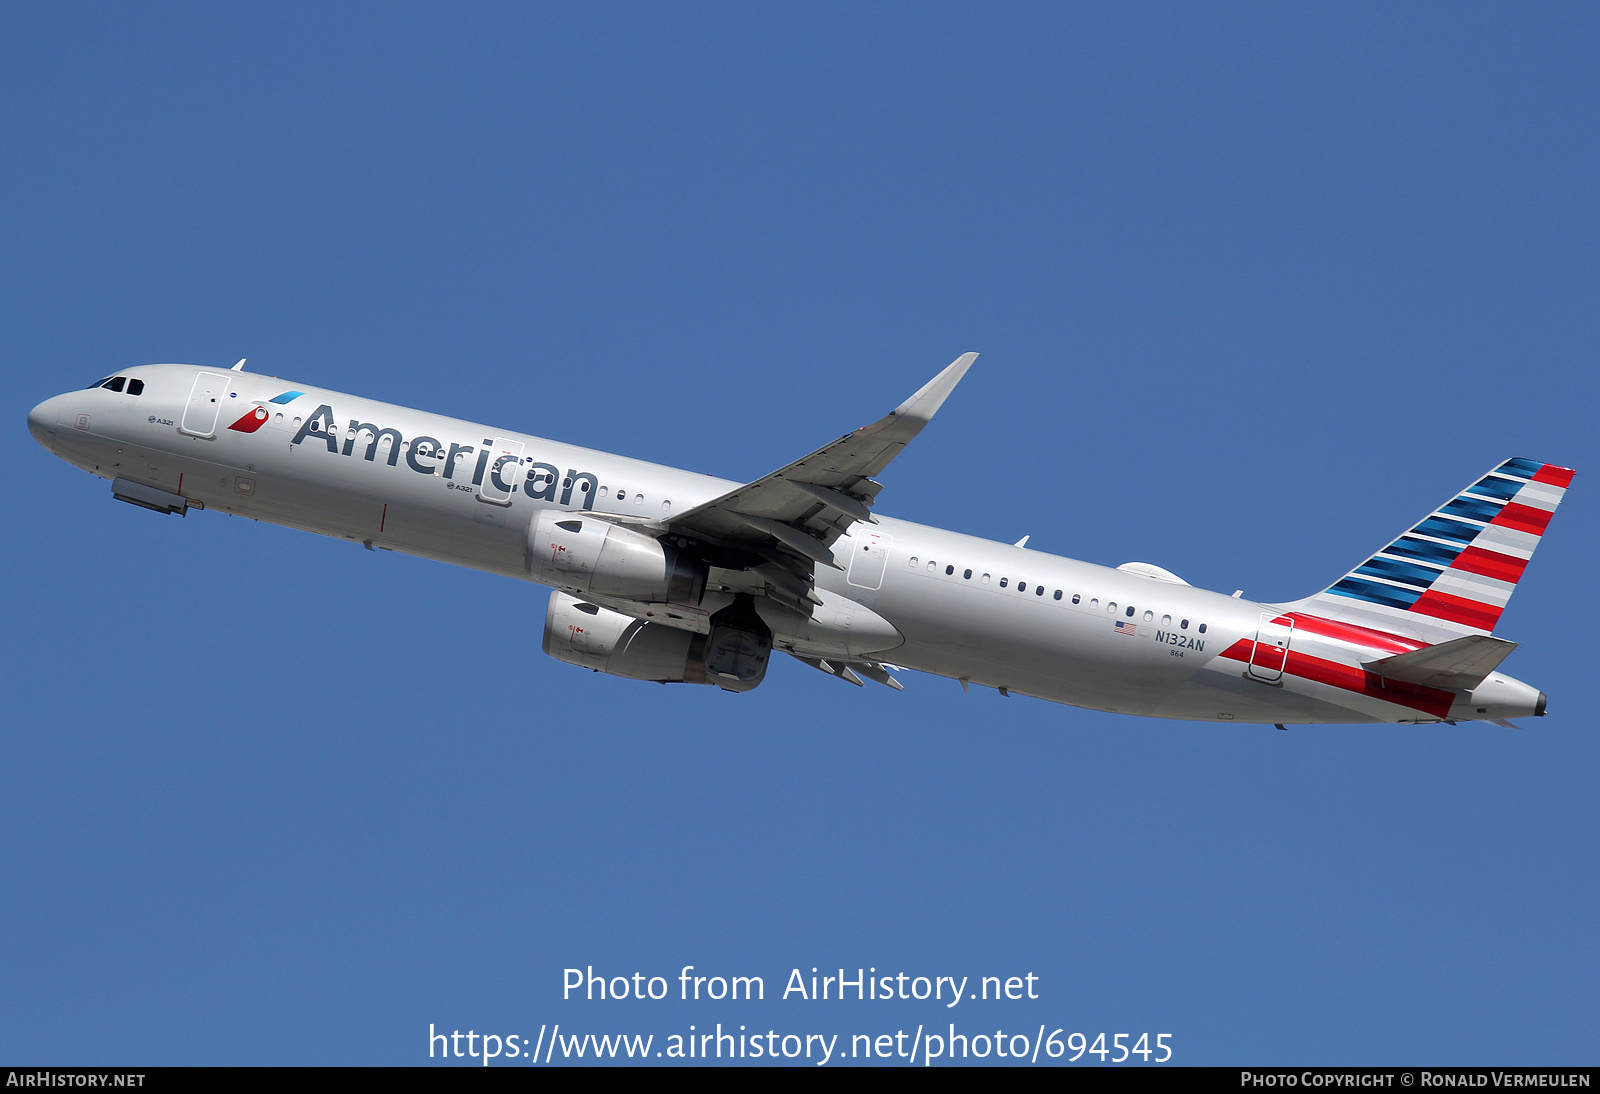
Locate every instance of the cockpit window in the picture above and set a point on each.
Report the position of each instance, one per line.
(136, 387)
(98, 383)
(115, 383)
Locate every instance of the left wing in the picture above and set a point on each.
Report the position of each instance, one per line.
(791, 518)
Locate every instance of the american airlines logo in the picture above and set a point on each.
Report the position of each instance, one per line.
(252, 420)
(431, 456)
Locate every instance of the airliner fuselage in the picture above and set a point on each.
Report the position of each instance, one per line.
(1134, 641)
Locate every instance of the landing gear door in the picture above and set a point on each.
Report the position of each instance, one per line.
(1271, 652)
(205, 402)
(502, 472)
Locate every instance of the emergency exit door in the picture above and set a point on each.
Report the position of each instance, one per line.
(869, 555)
(502, 472)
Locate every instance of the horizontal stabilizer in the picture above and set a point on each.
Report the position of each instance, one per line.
(1461, 663)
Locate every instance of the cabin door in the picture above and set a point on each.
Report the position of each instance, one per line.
(1271, 650)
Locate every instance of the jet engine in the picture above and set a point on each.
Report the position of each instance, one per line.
(733, 656)
(583, 553)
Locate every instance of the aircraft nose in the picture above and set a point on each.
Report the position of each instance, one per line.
(42, 422)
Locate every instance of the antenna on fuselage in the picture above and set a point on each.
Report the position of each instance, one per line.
(239, 366)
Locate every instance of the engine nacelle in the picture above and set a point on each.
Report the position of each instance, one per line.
(733, 656)
(584, 553)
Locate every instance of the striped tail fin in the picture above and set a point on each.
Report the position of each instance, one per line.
(1453, 573)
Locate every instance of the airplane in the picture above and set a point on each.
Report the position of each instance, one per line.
(659, 574)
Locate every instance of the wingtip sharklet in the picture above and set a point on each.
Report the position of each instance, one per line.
(931, 396)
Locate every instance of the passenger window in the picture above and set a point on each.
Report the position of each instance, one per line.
(1112, 607)
(1202, 628)
(666, 507)
(948, 570)
(1003, 581)
(967, 575)
(1148, 617)
(115, 383)
(1076, 597)
(1038, 590)
(1095, 603)
(1022, 586)
(622, 495)
(1058, 594)
(604, 490)
(1184, 625)
(1166, 621)
(932, 565)
(913, 562)
(1130, 611)
(136, 387)
(986, 579)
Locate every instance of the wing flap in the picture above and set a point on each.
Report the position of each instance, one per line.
(792, 538)
(848, 670)
(842, 503)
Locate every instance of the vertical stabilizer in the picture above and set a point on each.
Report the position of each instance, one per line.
(1453, 573)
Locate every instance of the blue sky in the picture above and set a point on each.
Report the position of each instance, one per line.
(1255, 286)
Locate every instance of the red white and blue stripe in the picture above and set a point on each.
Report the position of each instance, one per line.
(1459, 566)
